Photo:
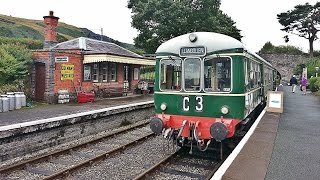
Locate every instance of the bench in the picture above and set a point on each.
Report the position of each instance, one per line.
(112, 92)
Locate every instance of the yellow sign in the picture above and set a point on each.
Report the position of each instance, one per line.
(67, 71)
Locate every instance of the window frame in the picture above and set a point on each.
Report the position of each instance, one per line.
(95, 67)
(104, 66)
(89, 72)
(165, 77)
(200, 74)
(231, 75)
(111, 71)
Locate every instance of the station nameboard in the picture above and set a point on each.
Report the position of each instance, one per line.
(61, 59)
(67, 71)
(275, 101)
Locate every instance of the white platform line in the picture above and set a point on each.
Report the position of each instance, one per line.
(223, 168)
(41, 121)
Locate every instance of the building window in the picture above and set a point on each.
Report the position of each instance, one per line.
(95, 73)
(136, 73)
(86, 72)
(113, 71)
(104, 72)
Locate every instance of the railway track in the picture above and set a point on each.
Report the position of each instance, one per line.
(61, 163)
(182, 165)
(120, 157)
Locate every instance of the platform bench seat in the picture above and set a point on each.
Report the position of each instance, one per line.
(110, 92)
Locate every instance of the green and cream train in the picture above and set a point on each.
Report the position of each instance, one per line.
(207, 85)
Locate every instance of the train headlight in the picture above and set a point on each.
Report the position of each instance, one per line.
(224, 110)
(163, 106)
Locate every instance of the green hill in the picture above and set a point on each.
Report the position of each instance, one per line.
(14, 27)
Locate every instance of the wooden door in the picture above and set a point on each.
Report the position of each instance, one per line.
(40, 81)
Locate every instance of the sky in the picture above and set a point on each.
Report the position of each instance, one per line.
(257, 19)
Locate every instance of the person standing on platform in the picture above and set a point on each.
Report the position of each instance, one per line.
(293, 82)
(304, 83)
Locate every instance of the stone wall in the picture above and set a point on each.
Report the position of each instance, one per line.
(284, 63)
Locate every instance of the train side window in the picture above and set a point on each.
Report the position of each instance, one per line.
(170, 74)
(217, 74)
(246, 73)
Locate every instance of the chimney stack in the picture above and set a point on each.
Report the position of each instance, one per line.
(50, 32)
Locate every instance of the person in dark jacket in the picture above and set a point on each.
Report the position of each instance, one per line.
(293, 82)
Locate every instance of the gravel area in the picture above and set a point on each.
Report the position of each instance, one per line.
(67, 145)
(186, 168)
(23, 175)
(164, 176)
(196, 161)
(127, 165)
(82, 154)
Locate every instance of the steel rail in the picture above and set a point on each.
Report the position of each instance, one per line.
(67, 171)
(157, 166)
(7, 169)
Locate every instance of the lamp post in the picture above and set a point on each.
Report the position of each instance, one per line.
(317, 69)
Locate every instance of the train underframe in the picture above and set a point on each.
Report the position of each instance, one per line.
(203, 132)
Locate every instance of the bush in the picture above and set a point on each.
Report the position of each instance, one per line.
(15, 63)
(28, 43)
(314, 84)
(8, 88)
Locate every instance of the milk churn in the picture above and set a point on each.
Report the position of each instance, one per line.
(60, 97)
(63, 96)
(23, 99)
(5, 103)
(11, 97)
(17, 96)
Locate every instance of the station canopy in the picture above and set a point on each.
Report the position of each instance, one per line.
(100, 51)
(94, 58)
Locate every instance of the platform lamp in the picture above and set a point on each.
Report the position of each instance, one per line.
(317, 70)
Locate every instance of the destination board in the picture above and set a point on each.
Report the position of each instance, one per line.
(193, 51)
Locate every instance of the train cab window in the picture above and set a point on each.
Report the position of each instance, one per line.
(170, 74)
(217, 74)
(192, 74)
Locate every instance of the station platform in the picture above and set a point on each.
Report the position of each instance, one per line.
(44, 111)
(283, 146)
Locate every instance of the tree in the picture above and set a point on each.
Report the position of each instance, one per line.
(14, 63)
(303, 21)
(269, 48)
(160, 20)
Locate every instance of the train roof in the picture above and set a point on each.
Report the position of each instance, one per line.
(217, 42)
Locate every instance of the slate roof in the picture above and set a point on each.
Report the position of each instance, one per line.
(92, 46)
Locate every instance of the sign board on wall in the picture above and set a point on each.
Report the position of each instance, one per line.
(67, 71)
(61, 59)
(275, 101)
